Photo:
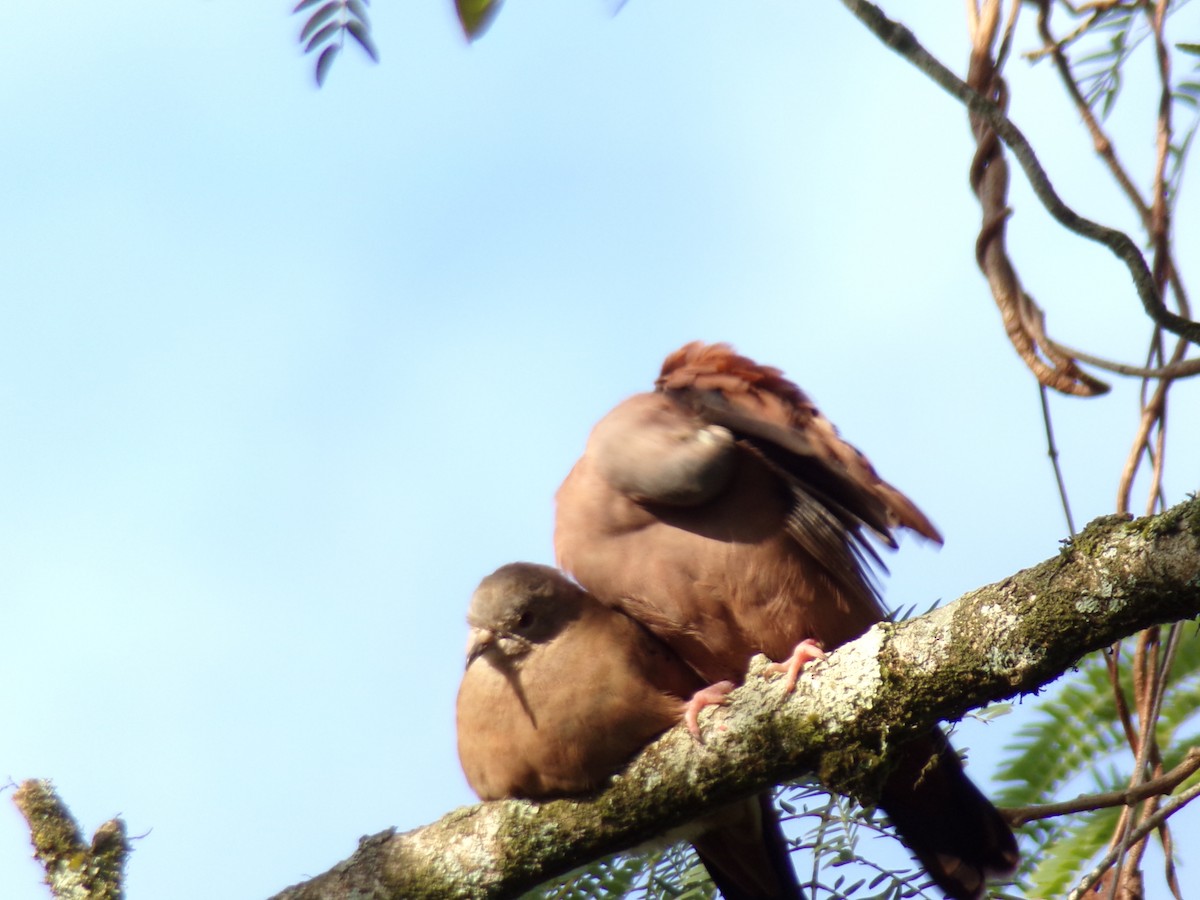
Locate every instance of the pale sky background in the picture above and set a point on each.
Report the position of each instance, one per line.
(284, 373)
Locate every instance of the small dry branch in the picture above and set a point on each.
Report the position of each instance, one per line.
(74, 868)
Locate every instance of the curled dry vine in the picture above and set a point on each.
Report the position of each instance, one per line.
(1023, 321)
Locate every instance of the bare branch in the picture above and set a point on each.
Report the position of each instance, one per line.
(1164, 784)
(1182, 369)
(1100, 140)
(1052, 451)
(1153, 411)
(989, 180)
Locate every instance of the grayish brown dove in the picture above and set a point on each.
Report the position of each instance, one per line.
(560, 691)
(724, 513)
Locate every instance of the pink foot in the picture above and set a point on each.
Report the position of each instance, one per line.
(713, 695)
(806, 651)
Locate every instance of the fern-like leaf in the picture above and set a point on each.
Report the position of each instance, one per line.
(1185, 93)
(324, 61)
(322, 15)
(325, 30)
(1061, 865)
(668, 873)
(1112, 35)
(1077, 725)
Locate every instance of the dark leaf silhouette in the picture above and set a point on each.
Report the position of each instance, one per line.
(359, 32)
(326, 30)
(325, 60)
(476, 15)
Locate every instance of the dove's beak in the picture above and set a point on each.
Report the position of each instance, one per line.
(478, 642)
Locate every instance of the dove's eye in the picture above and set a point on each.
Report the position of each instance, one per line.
(526, 619)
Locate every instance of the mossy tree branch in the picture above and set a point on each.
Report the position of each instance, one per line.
(1009, 638)
(74, 868)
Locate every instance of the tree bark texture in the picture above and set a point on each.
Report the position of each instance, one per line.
(74, 868)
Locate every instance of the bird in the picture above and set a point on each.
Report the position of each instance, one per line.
(561, 691)
(725, 513)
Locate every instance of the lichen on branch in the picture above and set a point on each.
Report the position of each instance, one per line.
(74, 869)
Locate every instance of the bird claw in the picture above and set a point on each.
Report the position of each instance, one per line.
(713, 695)
(806, 651)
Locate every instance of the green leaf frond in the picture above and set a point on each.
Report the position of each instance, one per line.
(1108, 42)
(1068, 734)
(1181, 701)
(1186, 96)
(832, 829)
(326, 28)
(1061, 865)
(666, 873)
(1074, 740)
(825, 833)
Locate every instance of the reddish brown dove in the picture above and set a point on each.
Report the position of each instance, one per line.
(561, 691)
(725, 514)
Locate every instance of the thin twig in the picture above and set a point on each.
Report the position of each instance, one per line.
(1150, 414)
(1100, 140)
(1052, 450)
(1182, 369)
(1147, 697)
(1164, 784)
(1112, 662)
(1105, 149)
(989, 180)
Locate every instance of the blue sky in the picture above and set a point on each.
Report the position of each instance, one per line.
(284, 373)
